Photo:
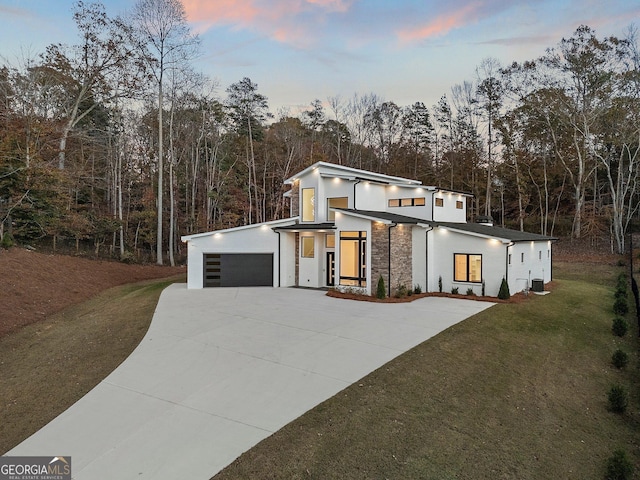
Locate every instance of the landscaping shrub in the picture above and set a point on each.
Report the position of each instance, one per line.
(620, 327)
(619, 467)
(620, 293)
(504, 294)
(483, 288)
(381, 291)
(470, 291)
(454, 290)
(620, 359)
(417, 289)
(440, 284)
(621, 263)
(620, 306)
(621, 282)
(618, 399)
(401, 291)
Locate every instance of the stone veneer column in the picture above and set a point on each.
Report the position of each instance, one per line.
(379, 245)
(401, 257)
(295, 199)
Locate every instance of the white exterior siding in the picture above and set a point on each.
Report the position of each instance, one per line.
(258, 238)
(529, 261)
(448, 212)
(370, 196)
(419, 258)
(333, 188)
(447, 242)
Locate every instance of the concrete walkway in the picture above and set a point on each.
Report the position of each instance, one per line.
(222, 369)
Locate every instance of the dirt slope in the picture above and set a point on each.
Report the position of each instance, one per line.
(34, 285)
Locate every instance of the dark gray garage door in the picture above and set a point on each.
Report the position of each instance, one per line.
(238, 270)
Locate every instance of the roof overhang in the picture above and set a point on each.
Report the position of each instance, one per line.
(272, 224)
(306, 227)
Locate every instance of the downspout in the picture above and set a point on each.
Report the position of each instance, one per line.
(389, 255)
(426, 259)
(506, 262)
(279, 258)
(354, 193)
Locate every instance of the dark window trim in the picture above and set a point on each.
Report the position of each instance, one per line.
(467, 255)
(361, 238)
(412, 204)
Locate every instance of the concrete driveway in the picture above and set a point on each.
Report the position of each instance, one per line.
(221, 369)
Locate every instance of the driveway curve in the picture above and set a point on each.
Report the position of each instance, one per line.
(221, 369)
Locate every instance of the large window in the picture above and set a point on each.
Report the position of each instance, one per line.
(336, 202)
(308, 208)
(353, 259)
(467, 268)
(308, 247)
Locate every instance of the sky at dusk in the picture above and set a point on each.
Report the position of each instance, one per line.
(299, 50)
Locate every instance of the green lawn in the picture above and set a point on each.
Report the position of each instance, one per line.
(516, 392)
(47, 366)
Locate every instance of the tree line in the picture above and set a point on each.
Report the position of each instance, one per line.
(116, 142)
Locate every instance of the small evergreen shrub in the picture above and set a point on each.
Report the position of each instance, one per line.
(470, 291)
(619, 467)
(454, 290)
(620, 327)
(417, 289)
(440, 284)
(401, 291)
(504, 293)
(622, 263)
(618, 399)
(620, 306)
(381, 291)
(620, 359)
(620, 293)
(483, 288)
(621, 282)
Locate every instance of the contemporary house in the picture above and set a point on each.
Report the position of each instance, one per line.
(348, 227)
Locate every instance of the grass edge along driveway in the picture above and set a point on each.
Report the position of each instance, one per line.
(517, 391)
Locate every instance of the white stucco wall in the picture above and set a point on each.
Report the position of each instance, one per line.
(259, 238)
(310, 267)
(331, 188)
(370, 196)
(445, 243)
(448, 212)
(536, 264)
(419, 257)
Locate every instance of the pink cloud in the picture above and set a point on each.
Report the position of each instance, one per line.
(443, 24)
(287, 21)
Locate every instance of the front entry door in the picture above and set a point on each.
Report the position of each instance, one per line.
(331, 268)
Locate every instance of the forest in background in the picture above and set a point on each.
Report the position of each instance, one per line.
(116, 144)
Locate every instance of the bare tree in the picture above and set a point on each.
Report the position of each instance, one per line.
(95, 72)
(162, 33)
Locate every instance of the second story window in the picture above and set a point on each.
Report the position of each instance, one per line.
(308, 205)
(407, 202)
(336, 202)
